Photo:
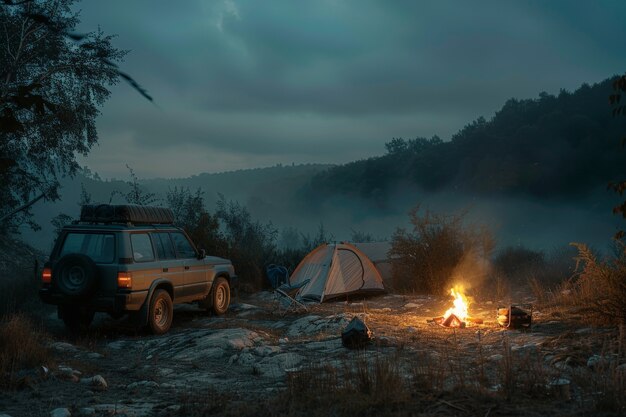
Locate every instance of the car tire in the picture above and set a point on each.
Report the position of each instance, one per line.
(161, 312)
(76, 319)
(76, 276)
(221, 296)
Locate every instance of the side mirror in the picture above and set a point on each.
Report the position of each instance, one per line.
(202, 254)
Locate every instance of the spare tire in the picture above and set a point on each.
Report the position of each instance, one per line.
(76, 275)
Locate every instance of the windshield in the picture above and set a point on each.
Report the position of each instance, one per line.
(100, 247)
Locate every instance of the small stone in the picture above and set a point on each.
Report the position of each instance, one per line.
(94, 355)
(143, 384)
(64, 347)
(595, 360)
(60, 412)
(148, 357)
(495, 358)
(411, 329)
(97, 382)
(232, 359)
(283, 340)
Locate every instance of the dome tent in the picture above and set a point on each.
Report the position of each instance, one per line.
(336, 270)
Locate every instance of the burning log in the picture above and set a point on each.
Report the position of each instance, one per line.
(458, 315)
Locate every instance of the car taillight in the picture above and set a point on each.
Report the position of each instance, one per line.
(46, 276)
(124, 280)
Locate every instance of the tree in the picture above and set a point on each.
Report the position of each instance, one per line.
(52, 82)
(619, 108)
(136, 193)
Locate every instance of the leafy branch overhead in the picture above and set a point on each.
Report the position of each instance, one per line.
(52, 83)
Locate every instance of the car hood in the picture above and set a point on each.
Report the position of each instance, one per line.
(217, 260)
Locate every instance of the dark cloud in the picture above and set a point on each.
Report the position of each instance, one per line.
(256, 82)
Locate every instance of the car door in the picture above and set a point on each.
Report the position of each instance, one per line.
(172, 268)
(196, 284)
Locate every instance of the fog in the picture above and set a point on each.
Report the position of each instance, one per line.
(274, 195)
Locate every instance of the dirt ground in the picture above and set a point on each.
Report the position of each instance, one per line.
(559, 367)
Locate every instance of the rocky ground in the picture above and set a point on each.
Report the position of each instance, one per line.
(252, 350)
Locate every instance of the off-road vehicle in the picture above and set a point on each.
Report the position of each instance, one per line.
(131, 259)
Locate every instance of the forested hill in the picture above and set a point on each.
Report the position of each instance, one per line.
(555, 147)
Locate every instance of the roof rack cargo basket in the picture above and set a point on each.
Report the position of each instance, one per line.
(126, 213)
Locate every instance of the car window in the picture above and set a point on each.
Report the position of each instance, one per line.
(100, 247)
(182, 245)
(142, 247)
(163, 245)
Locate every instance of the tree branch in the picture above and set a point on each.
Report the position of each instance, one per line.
(23, 207)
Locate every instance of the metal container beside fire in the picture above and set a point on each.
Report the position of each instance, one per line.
(516, 316)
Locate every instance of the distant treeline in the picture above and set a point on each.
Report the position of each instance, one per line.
(552, 147)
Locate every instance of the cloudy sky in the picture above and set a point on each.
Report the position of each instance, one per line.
(244, 84)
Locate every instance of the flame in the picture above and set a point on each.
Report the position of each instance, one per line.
(461, 305)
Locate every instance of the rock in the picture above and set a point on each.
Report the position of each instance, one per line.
(4, 415)
(328, 345)
(96, 382)
(117, 345)
(63, 347)
(412, 305)
(87, 411)
(411, 329)
(283, 340)
(595, 360)
(65, 372)
(232, 359)
(560, 388)
(495, 358)
(266, 350)
(246, 359)
(142, 384)
(276, 366)
(94, 355)
(313, 324)
(201, 345)
(60, 412)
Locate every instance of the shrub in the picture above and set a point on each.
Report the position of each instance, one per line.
(438, 251)
(599, 287)
(22, 346)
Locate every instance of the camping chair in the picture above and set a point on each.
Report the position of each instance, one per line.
(287, 297)
(285, 293)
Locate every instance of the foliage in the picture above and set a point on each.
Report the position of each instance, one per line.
(63, 219)
(190, 214)
(619, 108)
(599, 287)
(52, 85)
(439, 250)
(250, 243)
(136, 194)
(554, 146)
(22, 345)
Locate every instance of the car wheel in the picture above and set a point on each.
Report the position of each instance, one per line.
(76, 319)
(76, 276)
(161, 312)
(221, 296)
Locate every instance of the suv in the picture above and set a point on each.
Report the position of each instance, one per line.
(131, 259)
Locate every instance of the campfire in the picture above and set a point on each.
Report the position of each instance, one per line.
(458, 314)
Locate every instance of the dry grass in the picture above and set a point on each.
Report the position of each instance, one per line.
(22, 346)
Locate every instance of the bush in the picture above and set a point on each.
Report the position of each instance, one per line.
(599, 287)
(20, 266)
(437, 252)
(22, 346)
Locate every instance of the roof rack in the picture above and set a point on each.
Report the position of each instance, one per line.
(128, 214)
